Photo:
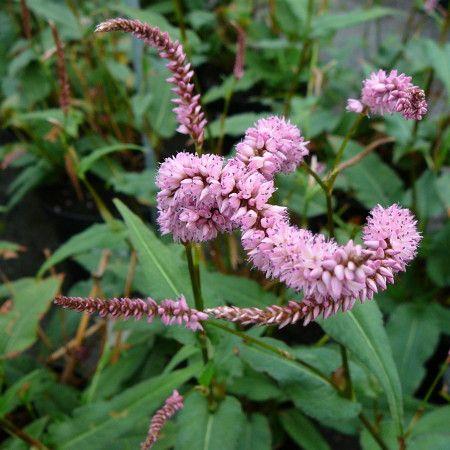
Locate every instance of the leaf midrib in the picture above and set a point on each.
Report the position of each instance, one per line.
(394, 410)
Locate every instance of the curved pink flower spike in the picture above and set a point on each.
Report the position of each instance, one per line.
(188, 110)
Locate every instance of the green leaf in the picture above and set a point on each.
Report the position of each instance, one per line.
(96, 425)
(255, 386)
(326, 23)
(18, 327)
(302, 431)
(443, 188)
(160, 115)
(414, 333)
(438, 268)
(235, 125)
(386, 430)
(230, 85)
(34, 429)
(23, 390)
(432, 431)
(87, 162)
(301, 193)
(439, 57)
(137, 184)
(114, 377)
(7, 246)
(361, 331)
(163, 271)
(202, 429)
(291, 16)
(58, 13)
(96, 236)
(372, 180)
(151, 17)
(219, 289)
(29, 178)
(256, 434)
(311, 391)
(428, 201)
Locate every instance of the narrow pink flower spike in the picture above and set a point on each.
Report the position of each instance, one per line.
(188, 110)
(170, 311)
(384, 93)
(173, 404)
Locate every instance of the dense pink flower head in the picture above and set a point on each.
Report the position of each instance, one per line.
(397, 226)
(187, 165)
(245, 192)
(188, 201)
(272, 145)
(384, 93)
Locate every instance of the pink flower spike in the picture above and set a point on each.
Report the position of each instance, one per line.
(384, 93)
(173, 404)
(170, 311)
(189, 112)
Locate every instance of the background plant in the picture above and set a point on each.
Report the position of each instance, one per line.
(69, 382)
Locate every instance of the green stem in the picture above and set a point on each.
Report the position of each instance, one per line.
(194, 273)
(12, 429)
(373, 431)
(421, 408)
(223, 116)
(343, 146)
(102, 208)
(301, 61)
(179, 13)
(328, 196)
(348, 392)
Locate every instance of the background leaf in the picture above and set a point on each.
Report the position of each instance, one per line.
(361, 331)
(413, 331)
(18, 326)
(303, 431)
(201, 429)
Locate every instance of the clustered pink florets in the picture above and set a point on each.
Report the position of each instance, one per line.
(272, 146)
(384, 93)
(170, 311)
(189, 112)
(173, 404)
(199, 199)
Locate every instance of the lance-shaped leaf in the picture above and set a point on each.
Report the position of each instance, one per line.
(361, 331)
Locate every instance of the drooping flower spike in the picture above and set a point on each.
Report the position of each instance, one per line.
(199, 199)
(173, 404)
(189, 112)
(384, 93)
(170, 311)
